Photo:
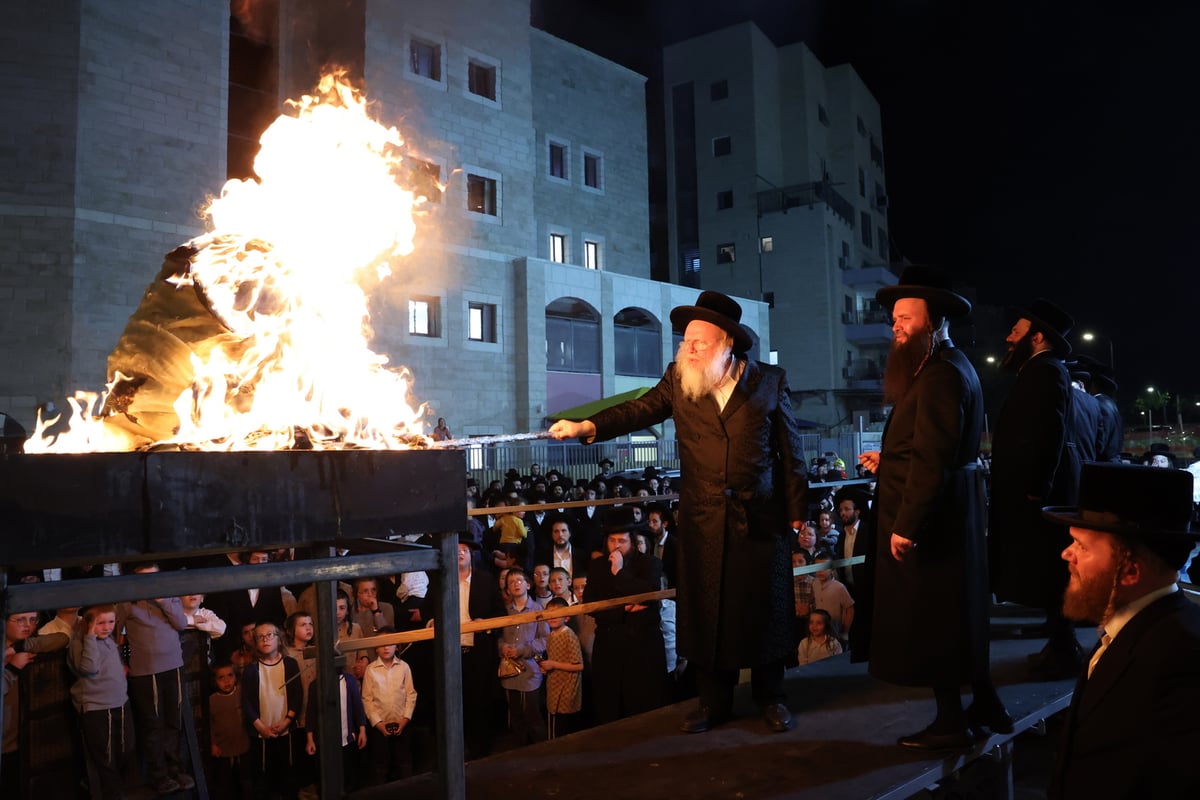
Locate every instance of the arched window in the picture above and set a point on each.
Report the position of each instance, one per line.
(572, 336)
(638, 343)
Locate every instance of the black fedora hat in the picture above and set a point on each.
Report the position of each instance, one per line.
(1099, 373)
(619, 519)
(1147, 504)
(1050, 320)
(716, 309)
(928, 284)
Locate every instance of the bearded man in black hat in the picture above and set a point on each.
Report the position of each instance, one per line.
(930, 558)
(1034, 464)
(743, 481)
(1133, 727)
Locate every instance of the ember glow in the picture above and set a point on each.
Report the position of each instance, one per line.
(277, 355)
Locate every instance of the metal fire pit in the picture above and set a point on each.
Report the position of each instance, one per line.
(87, 508)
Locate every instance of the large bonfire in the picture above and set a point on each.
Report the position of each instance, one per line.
(254, 336)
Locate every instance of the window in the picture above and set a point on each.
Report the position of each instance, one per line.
(637, 343)
(591, 254)
(481, 79)
(424, 316)
(425, 59)
(862, 128)
(572, 336)
(862, 182)
(558, 248)
(718, 90)
(724, 200)
(822, 115)
(883, 244)
(481, 322)
(592, 171)
(726, 253)
(425, 179)
(558, 160)
(481, 194)
(766, 244)
(722, 146)
(866, 226)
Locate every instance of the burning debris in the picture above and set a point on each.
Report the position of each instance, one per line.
(254, 336)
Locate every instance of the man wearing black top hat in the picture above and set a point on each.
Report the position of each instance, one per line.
(1032, 466)
(743, 480)
(929, 625)
(1133, 727)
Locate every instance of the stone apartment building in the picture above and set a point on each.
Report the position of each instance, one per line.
(528, 291)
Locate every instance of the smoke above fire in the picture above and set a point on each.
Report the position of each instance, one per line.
(255, 335)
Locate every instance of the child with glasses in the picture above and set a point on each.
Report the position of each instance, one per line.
(271, 700)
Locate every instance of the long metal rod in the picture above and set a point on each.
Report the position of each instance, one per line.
(474, 441)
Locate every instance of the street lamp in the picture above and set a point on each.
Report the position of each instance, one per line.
(1088, 336)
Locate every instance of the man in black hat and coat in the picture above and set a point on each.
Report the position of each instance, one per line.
(629, 659)
(1133, 727)
(1099, 382)
(743, 481)
(1034, 465)
(930, 614)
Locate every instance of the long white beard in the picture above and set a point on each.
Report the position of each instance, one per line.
(699, 381)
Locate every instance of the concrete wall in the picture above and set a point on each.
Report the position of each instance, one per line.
(117, 133)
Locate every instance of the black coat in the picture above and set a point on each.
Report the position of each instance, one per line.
(629, 659)
(1112, 429)
(930, 620)
(1133, 728)
(743, 482)
(1032, 467)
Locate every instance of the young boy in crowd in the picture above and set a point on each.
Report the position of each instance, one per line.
(353, 724)
(389, 700)
(227, 732)
(271, 701)
(563, 667)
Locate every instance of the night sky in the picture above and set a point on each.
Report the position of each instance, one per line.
(1033, 149)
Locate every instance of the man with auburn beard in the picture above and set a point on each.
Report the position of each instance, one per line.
(1033, 465)
(1133, 727)
(744, 479)
(930, 613)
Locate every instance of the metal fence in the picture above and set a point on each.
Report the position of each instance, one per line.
(490, 462)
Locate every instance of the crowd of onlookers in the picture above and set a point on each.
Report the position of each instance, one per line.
(523, 683)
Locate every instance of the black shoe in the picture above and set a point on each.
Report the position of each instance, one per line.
(935, 742)
(996, 719)
(701, 720)
(778, 718)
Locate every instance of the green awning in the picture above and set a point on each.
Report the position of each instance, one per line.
(585, 411)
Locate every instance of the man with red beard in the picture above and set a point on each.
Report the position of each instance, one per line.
(1034, 464)
(929, 625)
(743, 481)
(1133, 728)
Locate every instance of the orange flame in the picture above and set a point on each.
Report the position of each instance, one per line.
(282, 268)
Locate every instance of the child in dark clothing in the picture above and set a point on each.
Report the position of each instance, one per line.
(352, 723)
(227, 732)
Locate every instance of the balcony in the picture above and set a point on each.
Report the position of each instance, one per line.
(863, 375)
(806, 195)
(872, 327)
(869, 279)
